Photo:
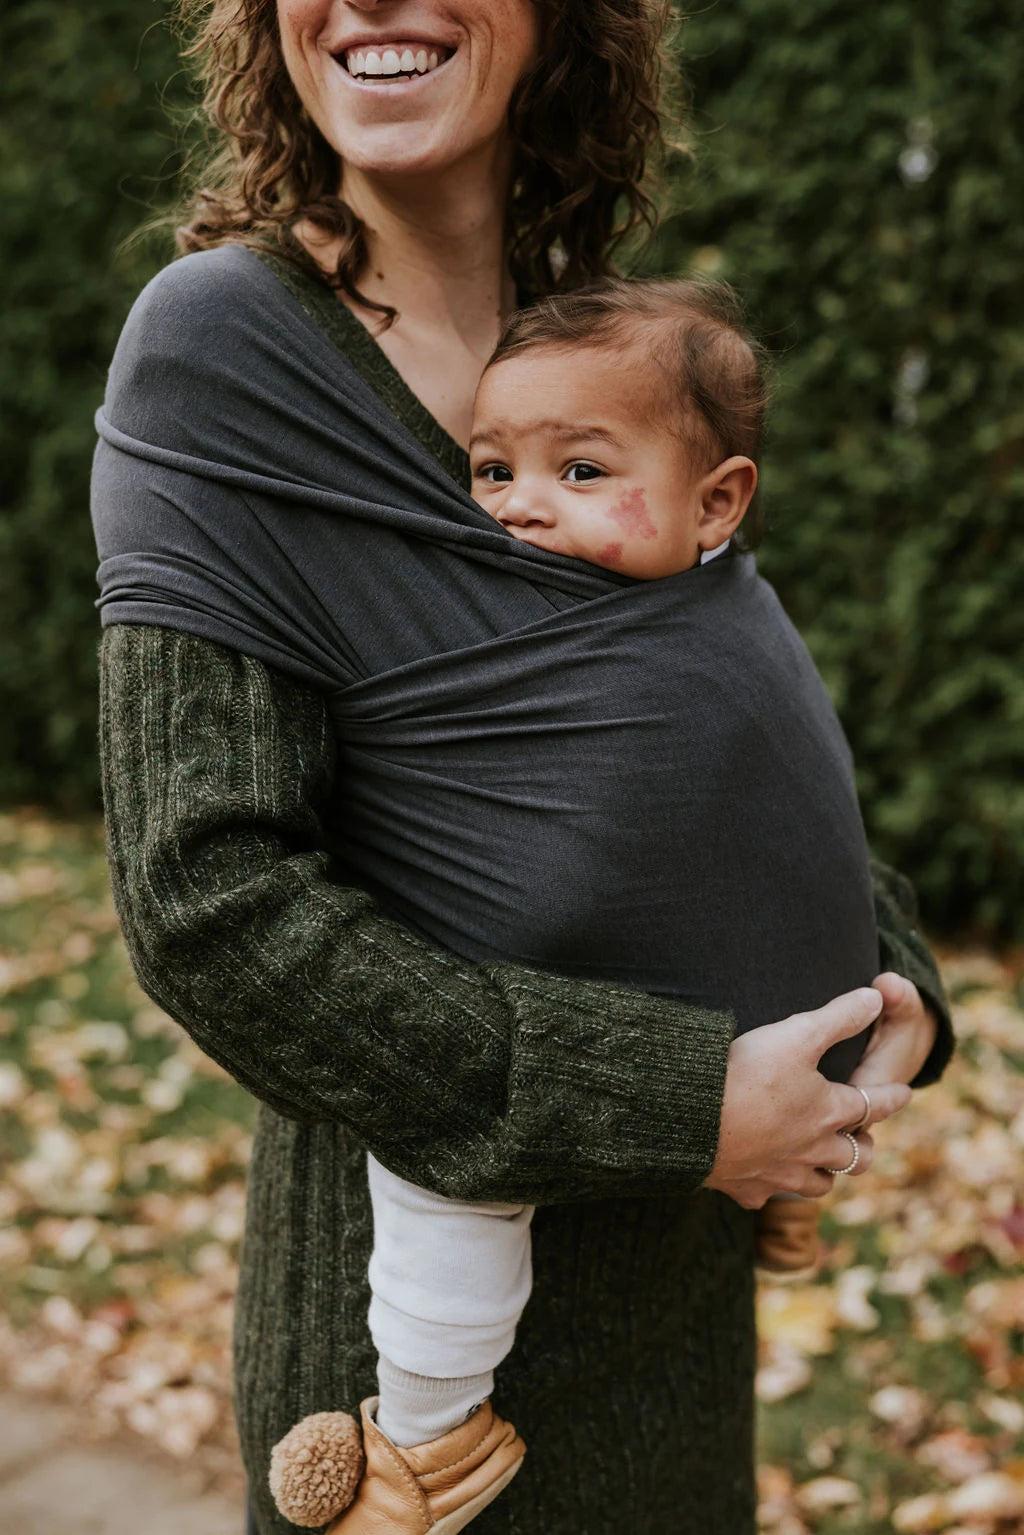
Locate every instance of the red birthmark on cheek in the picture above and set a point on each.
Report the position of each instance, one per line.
(611, 554)
(632, 515)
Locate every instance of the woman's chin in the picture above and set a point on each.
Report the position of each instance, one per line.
(394, 155)
(403, 149)
(397, 131)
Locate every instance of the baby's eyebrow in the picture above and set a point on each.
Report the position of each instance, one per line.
(561, 432)
(575, 433)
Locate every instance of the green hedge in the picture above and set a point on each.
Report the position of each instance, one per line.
(84, 142)
(857, 176)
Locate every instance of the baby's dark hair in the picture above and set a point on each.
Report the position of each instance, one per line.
(693, 330)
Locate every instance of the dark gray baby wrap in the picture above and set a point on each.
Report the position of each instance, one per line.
(639, 782)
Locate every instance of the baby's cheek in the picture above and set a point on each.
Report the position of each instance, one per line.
(610, 555)
(632, 516)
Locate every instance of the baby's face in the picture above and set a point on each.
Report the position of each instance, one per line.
(568, 454)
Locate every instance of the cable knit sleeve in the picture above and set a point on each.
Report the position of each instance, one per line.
(483, 1082)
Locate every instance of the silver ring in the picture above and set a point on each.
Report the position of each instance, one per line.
(856, 1154)
(862, 1121)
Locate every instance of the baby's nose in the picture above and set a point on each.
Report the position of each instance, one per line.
(523, 509)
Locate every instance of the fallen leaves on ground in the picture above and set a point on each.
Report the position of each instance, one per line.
(900, 1366)
(891, 1383)
(123, 1152)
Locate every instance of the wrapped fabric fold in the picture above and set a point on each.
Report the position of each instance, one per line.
(639, 782)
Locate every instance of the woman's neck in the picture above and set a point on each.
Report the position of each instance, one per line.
(437, 247)
(436, 250)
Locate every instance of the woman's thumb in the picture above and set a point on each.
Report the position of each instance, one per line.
(842, 1017)
(900, 998)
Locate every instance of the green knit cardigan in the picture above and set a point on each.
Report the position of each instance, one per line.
(597, 1103)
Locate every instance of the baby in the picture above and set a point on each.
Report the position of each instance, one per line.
(595, 458)
(620, 426)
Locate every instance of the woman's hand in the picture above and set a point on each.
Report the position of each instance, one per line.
(903, 1037)
(781, 1117)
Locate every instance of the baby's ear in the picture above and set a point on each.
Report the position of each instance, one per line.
(725, 494)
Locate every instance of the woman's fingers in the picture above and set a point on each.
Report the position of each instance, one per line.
(752, 1193)
(816, 1183)
(867, 1154)
(847, 1105)
(811, 1182)
(780, 1114)
(800, 1177)
(835, 1151)
(841, 1018)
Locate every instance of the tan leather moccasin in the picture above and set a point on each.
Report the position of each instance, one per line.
(787, 1235)
(431, 1489)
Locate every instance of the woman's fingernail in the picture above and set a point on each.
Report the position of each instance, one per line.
(871, 998)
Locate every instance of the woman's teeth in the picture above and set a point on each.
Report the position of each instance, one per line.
(367, 62)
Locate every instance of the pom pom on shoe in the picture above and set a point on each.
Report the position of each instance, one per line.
(315, 1469)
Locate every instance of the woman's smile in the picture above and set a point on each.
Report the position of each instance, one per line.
(426, 86)
(390, 63)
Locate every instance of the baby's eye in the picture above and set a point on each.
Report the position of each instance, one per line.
(578, 474)
(496, 474)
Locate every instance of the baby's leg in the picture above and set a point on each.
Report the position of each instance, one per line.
(449, 1282)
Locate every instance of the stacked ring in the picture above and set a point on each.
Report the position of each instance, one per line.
(862, 1121)
(856, 1154)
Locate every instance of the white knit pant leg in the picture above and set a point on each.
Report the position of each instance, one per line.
(449, 1279)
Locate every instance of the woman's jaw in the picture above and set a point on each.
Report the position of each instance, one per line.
(408, 87)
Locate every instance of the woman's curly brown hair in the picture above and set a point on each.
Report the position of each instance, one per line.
(586, 120)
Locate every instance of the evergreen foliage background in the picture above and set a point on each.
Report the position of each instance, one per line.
(84, 143)
(857, 175)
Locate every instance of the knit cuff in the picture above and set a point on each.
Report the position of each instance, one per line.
(902, 949)
(910, 958)
(634, 1100)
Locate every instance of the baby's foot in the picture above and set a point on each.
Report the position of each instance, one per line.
(786, 1235)
(426, 1489)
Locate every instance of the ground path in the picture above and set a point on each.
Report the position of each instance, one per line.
(51, 1483)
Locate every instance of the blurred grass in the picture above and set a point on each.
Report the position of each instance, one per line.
(895, 1374)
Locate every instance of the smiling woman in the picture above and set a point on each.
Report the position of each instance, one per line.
(290, 564)
(294, 118)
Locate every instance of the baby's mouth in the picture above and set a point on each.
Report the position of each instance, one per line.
(394, 61)
(545, 542)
